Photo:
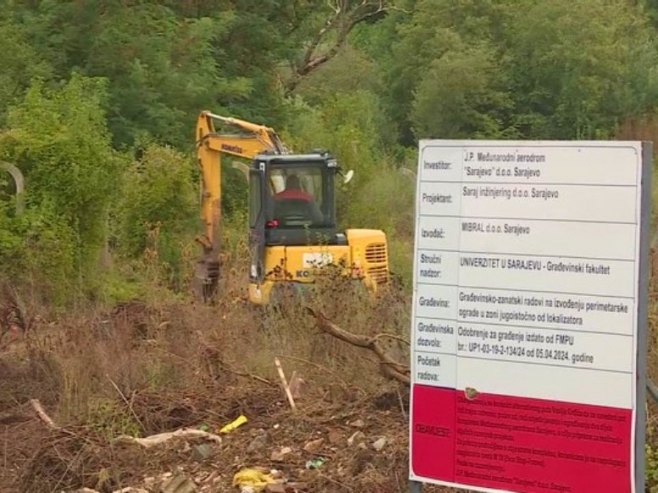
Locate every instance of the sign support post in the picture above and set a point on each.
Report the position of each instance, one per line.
(529, 323)
(642, 322)
(415, 487)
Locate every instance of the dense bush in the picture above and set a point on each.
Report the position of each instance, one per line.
(98, 102)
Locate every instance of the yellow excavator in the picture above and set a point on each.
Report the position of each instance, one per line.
(292, 213)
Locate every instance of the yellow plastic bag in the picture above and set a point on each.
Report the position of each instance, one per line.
(239, 421)
(253, 478)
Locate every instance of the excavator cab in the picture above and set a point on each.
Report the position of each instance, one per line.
(292, 202)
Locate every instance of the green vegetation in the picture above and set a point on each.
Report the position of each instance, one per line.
(99, 99)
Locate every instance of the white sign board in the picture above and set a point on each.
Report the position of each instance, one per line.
(528, 315)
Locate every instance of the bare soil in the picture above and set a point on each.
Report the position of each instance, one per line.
(37, 459)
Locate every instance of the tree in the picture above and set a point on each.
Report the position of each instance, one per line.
(59, 139)
(524, 68)
(577, 68)
(162, 69)
(19, 62)
(157, 194)
(328, 33)
(462, 94)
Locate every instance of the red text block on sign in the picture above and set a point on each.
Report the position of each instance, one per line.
(521, 444)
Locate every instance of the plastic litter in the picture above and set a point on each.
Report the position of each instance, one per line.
(239, 421)
(250, 479)
(315, 463)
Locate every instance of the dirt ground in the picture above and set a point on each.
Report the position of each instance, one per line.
(143, 369)
(343, 434)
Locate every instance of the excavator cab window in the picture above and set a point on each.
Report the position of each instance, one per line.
(297, 199)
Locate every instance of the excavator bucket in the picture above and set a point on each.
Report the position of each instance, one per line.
(206, 278)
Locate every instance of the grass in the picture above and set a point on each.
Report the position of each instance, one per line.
(98, 354)
(140, 367)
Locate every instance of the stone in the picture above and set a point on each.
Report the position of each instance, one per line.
(202, 452)
(335, 437)
(180, 483)
(258, 443)
(278, 455)
(314, 445)
(379, 444)
(357, 436)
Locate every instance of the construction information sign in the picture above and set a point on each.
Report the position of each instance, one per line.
(529, 316)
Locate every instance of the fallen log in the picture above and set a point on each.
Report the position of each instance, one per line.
(43, 416)
(161, 438)
(390, 367)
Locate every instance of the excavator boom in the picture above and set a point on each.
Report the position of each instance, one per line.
(237, 138)
(257, 138)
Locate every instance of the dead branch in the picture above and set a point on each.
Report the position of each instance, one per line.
(392, 336)
(161, 438)
(126, 401)
(284, 384)
(244, 374)
(336, 482)
(322, 368)
(344, 17)
(43, 416)
(390, 367)
(248, 375)
(127, 489)
(14, 418)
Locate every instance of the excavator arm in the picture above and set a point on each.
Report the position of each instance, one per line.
(243, 140)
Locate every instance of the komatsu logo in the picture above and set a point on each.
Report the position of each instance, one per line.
(230, 148)
(302, 273)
